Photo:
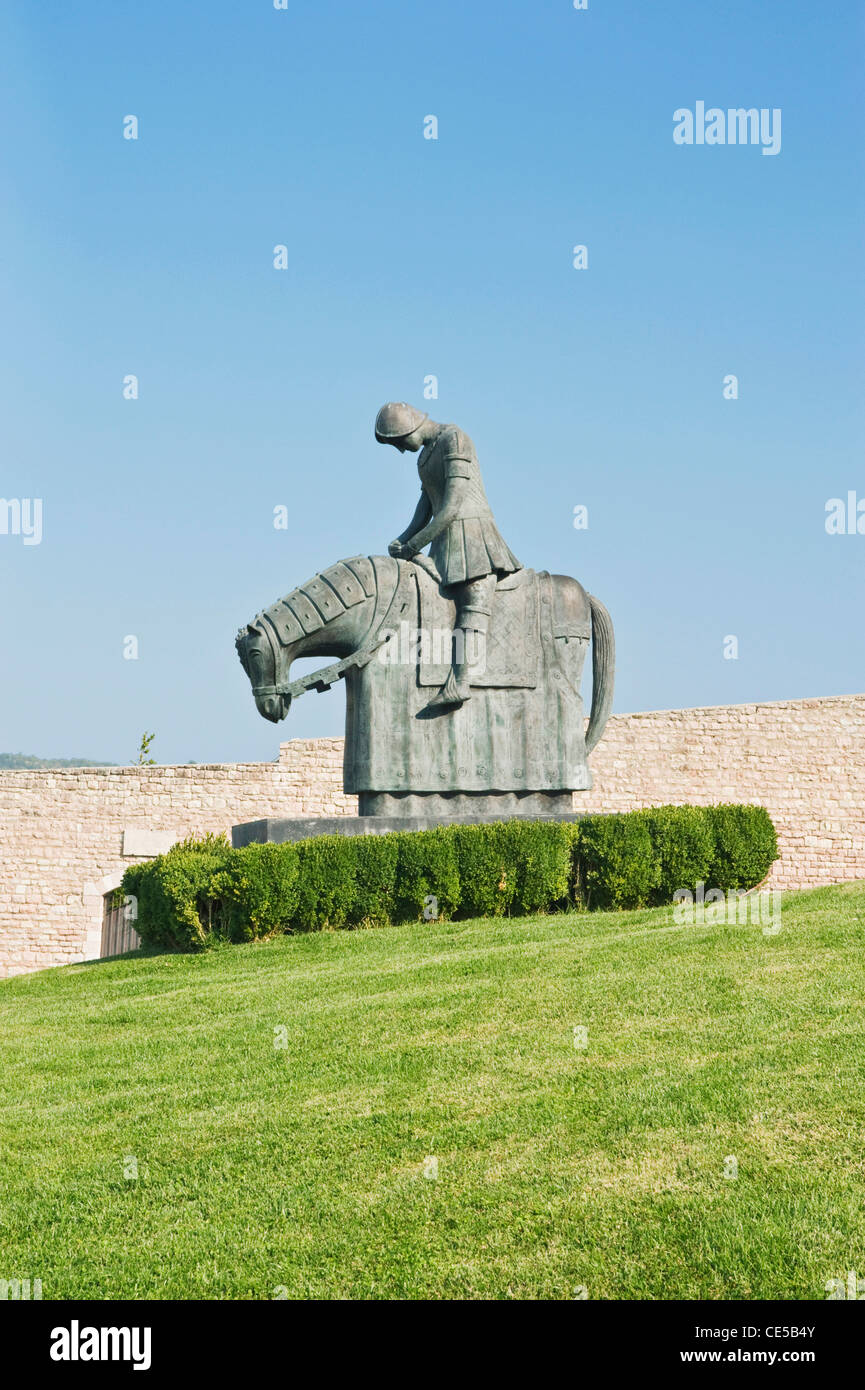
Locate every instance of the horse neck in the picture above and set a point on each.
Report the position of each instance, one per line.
(339, 637)
(332, 595)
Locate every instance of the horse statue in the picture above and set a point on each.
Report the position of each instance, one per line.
(519, 744)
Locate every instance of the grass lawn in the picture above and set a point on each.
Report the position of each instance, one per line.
(305, 1170)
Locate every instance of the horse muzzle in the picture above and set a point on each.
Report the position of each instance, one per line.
(271, 704)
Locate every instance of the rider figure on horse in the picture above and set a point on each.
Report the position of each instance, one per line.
(453, 516)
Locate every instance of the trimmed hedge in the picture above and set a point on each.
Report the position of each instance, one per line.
(203, 891)
(180, 894)
(640, 858)
(427, 875)
(745, 846)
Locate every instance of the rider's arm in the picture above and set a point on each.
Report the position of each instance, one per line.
(456, 490)
(422, 514)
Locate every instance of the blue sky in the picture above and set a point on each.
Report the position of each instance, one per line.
(410, 257)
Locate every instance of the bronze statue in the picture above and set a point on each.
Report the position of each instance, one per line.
(454, 518)
(415, 743)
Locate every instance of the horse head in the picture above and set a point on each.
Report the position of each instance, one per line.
(262, 659)
(332, 614)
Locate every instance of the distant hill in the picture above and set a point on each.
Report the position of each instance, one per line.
(13, 760)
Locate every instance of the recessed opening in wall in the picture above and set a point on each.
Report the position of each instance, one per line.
(118, 932)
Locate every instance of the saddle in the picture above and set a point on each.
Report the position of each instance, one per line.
(530, 609)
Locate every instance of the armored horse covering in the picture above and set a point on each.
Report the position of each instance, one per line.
(521, 731)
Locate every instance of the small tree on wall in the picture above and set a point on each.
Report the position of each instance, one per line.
(144, 749)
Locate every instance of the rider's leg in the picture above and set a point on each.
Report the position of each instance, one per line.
(474, 607)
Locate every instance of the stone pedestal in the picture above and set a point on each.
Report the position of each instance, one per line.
(274, 830)
(448, 805)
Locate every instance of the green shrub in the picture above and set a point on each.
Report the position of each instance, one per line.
(208, 843)
(203, 890)
(326, 881)
(640, 858)
(259, 890)
(487, 880)
(537, 857)
(179, 897)
(683, 847)
(617, 866)
(375, 863)
(746, 846)
(427, 875)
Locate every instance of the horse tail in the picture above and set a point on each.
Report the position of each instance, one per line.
(603, 668)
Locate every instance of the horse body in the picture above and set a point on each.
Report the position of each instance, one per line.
(522, 731)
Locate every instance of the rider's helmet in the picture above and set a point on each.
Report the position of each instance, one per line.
(396, 420)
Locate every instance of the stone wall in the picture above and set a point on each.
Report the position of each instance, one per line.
(804, 760)
(66, 835)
